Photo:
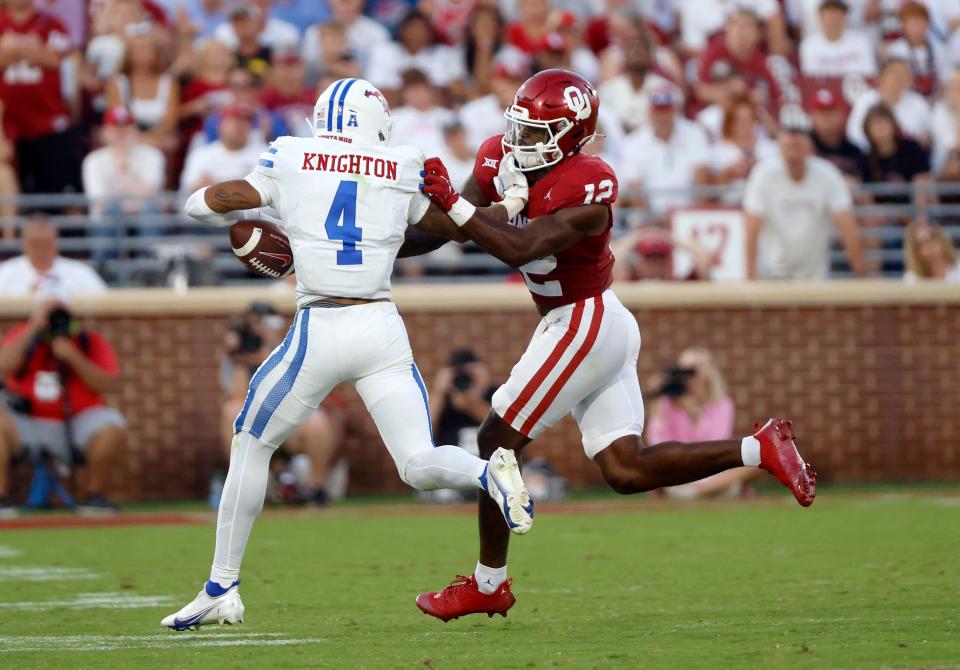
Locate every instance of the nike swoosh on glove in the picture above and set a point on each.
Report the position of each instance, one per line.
(437, 185)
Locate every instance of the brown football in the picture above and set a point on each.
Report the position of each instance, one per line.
(262, 247)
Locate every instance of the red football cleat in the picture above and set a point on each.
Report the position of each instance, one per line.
(779, 457)
(463, 597)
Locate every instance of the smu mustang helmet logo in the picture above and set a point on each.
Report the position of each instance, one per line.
(379, 96)
(578, 103)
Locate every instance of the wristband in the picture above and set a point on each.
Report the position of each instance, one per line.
(461, 211)
(513, 206)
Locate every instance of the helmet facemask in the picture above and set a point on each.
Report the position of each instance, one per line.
(534, 143)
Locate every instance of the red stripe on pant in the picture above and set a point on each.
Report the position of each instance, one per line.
(547, 366)
(570, 369)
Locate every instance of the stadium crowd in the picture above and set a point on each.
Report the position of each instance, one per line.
(123, 100)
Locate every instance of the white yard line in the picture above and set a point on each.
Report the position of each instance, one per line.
(9, 552)
(18, 573)
(85, 601)
(170, 640)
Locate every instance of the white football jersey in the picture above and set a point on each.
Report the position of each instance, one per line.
(345, 209)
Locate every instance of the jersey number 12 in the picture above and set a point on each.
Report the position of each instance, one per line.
(344, 208)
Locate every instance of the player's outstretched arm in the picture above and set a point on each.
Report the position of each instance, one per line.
(436, 229)
(209, 203)
(489, 226)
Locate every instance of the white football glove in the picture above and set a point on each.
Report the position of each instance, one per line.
(510, 181)
(511, 185)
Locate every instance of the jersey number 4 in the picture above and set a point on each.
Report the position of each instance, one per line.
(344, 208)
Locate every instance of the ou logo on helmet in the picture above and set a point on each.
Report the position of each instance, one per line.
(578, 103)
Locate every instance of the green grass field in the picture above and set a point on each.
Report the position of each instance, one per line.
(864, 580)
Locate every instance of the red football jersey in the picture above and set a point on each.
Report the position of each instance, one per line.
(33, 103)
(585, 268)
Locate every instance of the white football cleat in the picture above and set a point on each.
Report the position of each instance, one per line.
(502, 481)
(213, 604)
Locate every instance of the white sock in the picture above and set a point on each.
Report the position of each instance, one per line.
(489, 579)
(750, 451)
(240, 503)
(444, 467)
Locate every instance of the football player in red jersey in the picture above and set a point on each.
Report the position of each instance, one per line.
(539, 204)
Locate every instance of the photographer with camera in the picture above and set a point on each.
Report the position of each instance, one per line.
(249, 339)
(691, 405)
(55, 373)
(460, 400)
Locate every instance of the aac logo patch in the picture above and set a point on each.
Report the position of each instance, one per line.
(490, 163)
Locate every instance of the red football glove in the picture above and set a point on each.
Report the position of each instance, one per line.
(436, 184)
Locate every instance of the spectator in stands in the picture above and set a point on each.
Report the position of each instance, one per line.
(691, 404)
(893, 89)
(925, 53)
(56, 372)
(893, 158)
(335, 58)
(230, 157)
(32, 47)
(624, 29)
(113, 23)
(665, 160)
(420, 120)
(204, 16)
(9, 185)
(151, 94)
(482, 42)
(529, 32)
(286, 93)
(244, 35)
(271, 31)
(207, 91)
(457, 155)
(483, 117)
(628, 94)
(742, 144)
(249, 339)
(362, 34)
(460, 399)
(245, 89)
(829, 141)
(836, 50)
(945, 122)
(42, 268)
(702, 20)
(121, 177)
(929, 254)
(738, 48)
(415, 48)
(790, 202)
(582, 60)
(646, 253)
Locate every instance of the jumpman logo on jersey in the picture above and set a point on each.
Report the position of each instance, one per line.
(549, 193)
(488, 581)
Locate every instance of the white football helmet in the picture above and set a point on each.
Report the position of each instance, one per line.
(354, 109)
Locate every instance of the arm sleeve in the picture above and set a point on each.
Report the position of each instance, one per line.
(264, 176)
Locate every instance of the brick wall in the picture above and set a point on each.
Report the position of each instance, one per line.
(872, 388)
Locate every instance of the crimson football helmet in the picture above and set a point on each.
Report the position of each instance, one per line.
(553, 116)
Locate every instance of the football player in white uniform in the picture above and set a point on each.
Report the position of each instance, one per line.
(346, 198)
